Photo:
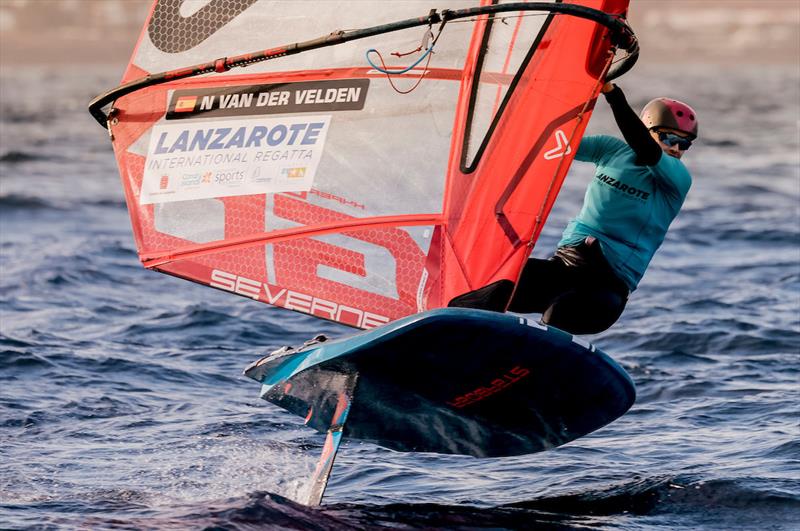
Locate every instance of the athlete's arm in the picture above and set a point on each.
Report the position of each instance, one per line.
(635, 133)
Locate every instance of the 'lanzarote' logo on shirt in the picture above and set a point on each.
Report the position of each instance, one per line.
(623, 188)
(562, 148)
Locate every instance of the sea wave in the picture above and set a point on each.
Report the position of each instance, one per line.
(11, 202)
(18, 157)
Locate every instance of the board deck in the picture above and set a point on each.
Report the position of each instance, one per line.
(453, 381)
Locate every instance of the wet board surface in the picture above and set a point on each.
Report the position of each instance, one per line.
(453, 381)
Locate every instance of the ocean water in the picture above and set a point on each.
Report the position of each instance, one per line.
(122, 404)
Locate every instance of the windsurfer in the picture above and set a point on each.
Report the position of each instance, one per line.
(627, 210)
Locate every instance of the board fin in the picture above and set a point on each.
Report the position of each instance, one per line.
(319, 481)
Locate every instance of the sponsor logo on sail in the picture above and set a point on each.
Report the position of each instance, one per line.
(294, 173)
(295, 300)
(229, 177)
(562, 146)
(242, 156)
(191, 179)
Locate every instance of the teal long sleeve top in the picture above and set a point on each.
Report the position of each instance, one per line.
(628, 207)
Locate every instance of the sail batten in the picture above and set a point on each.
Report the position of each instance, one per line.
(157, 258)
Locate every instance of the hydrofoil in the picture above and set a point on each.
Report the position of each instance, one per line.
(448, 381)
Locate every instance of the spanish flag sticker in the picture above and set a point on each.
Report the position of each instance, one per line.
(295, 173)
(185, 104)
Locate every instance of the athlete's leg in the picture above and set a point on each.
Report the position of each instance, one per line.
(540, 283)
(585, 310)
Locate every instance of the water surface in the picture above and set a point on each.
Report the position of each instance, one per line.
(122, 403)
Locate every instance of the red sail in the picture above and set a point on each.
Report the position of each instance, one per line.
(310, 183)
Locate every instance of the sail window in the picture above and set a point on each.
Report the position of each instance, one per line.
(509, 43)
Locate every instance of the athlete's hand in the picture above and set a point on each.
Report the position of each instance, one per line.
(608, 87)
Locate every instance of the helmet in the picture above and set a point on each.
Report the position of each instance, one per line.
(665, 112)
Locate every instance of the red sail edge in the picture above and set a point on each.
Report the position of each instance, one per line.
(357, 246)
(492, 230)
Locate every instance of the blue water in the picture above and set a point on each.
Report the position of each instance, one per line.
(122, 404)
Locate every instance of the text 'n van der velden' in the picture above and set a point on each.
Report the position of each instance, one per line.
(276, 98)
(281, 98)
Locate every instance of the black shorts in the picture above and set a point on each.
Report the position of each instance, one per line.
(576, 290)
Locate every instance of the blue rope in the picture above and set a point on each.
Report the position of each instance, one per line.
(393, 72)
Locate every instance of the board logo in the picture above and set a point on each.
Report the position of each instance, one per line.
(277, 98)
(495, 386)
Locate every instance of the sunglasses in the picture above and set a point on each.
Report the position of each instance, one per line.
(671, 139)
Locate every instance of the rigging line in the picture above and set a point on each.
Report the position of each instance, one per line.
(384, 70)
(621, 59)
(389, 77)
(531, 243)
(428, 53)
(426, 39)
(579, 119)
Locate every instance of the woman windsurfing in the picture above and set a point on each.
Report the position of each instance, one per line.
(638, 188)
